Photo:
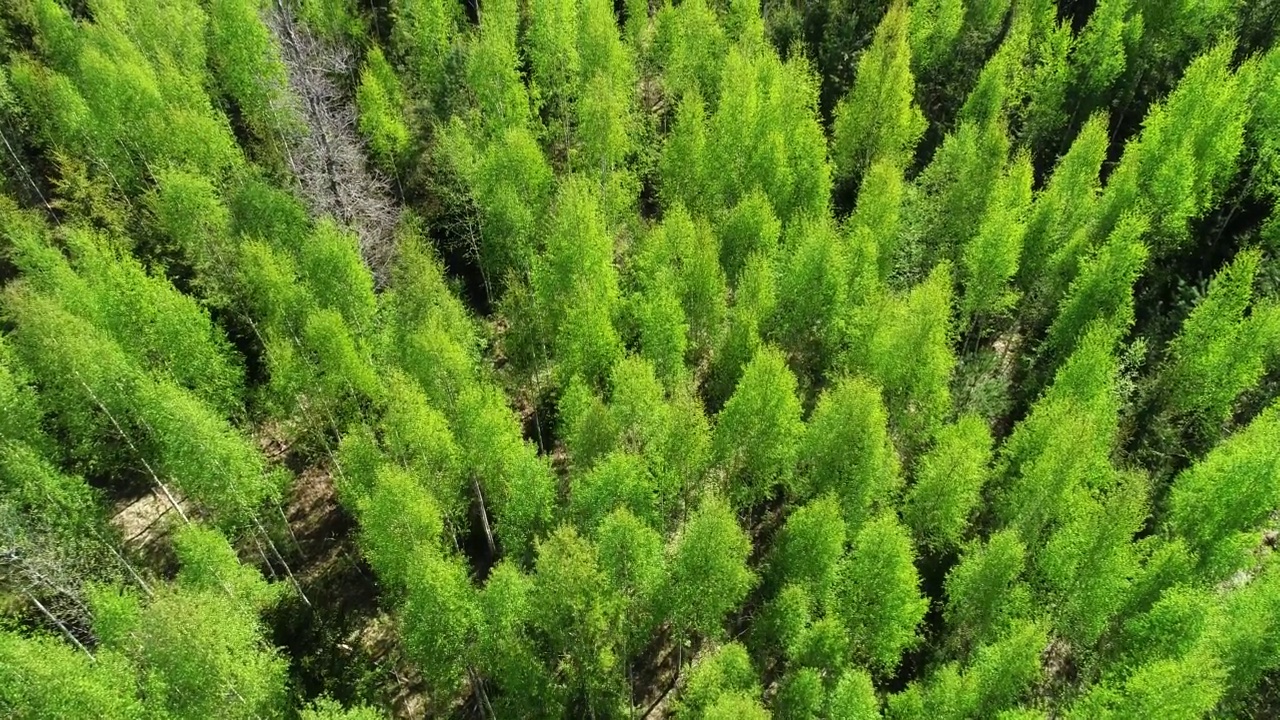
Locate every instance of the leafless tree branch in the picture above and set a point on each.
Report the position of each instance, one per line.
(327, 157)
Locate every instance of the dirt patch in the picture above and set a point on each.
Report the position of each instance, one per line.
(146, 523)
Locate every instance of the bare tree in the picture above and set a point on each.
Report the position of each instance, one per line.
(327, 157)
(48, 571)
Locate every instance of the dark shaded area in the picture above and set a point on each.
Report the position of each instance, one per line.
(453, 222)
(315, 638)
(1077, 11)
(318, 639)
(918, 660)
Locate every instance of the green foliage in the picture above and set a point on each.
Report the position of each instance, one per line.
(344, 376)
(574, 606)
(662, 325)
(879, 596)
(812, 543)
(380, 109)
(813, 292)
(1061, 450)
(1088, 563)
(1173, 626)
(1099, 53)
(935, 26)
(854, 698)
(878, 120)
(331, 267)
(1058, 227)
(1264, 121)
(1187, 687)
(21, 422)
(957, 186)
(333, 20)
(209, 564)
(823, 646)
(786, 619)
(619, 480)
(41, 676)
(190, 212)
(1188, 150)
(755, 300)
(329, 709)
(765, 133)
(631, 556)
(1217, 504)
(422, 38)
(989, 260)
(493, 70)
(96, 390)
(82, 373)
(604, 127)
(998, 676)
(1246, 632)
(725, 670)
(156, 59)
(248, 68)
(949, 481)
(800, 695)
(658, 445)
(607, 223)
(984, 592)
(736, 706)
(1102, 292)
(903, 342)
(440, 618)
(417, 436)
(680, 259)
(504, 648)
(877, 219)
(518, 484)
(749, 229)
(709, 574)
(552, 48)
(576, 286)
(160, 328)
(1049, 79)
(846, 451)
(690, 45)
(512, 187)
(983, 17)
(400, 523)
(1219, 352)
(684, 175)
(758, 433)
(191, 648)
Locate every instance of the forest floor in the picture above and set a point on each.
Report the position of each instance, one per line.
(339, 638)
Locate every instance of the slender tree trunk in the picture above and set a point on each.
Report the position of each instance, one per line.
(42, 579)
(1235, 205)
(275, 551)
(127, 566)
(129, 441)
(631, 683)
(297, 546)
(262, 553)
(30, 181)
(477, 684)
(484, 518)
(167, 494)
(61, 625)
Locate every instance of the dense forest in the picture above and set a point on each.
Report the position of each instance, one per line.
(716, 359)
